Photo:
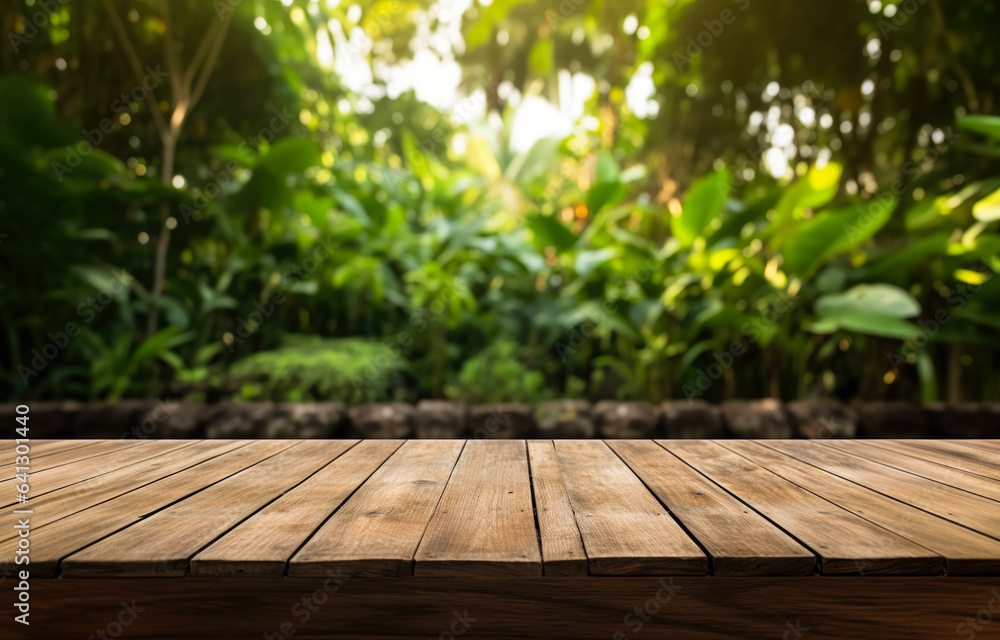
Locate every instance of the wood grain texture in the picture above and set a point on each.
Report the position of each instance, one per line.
(49, 446)
(58, 456)
(955, 462)
(504, 509)
(212, 461)
(58, 504)
(695, 608)
(966, 552)
(162, 544)
(625, 530)
(376, 532)
(980, 445)
(944, 474)
(845, 543)
(562, 547)
(971, 450)
(264, 543)
(47, 480)
(956, 505)
(485, 522)
(739, 540)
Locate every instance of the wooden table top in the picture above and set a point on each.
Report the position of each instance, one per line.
(451, 508)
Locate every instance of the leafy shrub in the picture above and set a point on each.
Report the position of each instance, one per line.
(313, 368)
(498, 374)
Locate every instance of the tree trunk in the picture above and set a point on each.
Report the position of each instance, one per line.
(163, 241)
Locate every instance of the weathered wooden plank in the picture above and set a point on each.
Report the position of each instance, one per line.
(39, 449)
(263, 544)
(845, 543)
(928, 495)
(966, 552)
(45, 481)
(47, 446)
(376, 532)
(485, 523)
(562, 548)
(931, 470)
(739, 541)
(58, 457)
(163, 544)
(985, 451)
(980, 445)
(211, 461)
(907, 448)
(625, 530)
(959, 450)
(956, 505)
(63, 502)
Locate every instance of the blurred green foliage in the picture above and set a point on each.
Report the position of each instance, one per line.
(322, 243)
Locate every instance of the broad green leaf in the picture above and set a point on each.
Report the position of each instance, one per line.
(163, 340)
(220, 302)
(754, 214)
(925, 213)
(352, 205)
(931, 212)
(986, 320)
(867, 323)
(693, 352)
(94, 234)
(674, 286)
(831, 280)
(242, 153)
(986, 125)
(607, 168)
(879, 299)
(969, 276)
(985, 246)
(905, 259)
(315, 207)
(30, 114)
(702, 203)
(988, 209)
(176, 311)
(106, 278)
(812, 191)
(99, 164)
(928, 380)
(291, 155)
(538, 162)
(172, 359)
(719, 259)
(985, 149)
(597, 312)
(587, 261)
(205, 353)
(305, 287)
(605, 194)
(814, 241)
(549, 232)
(480, 157)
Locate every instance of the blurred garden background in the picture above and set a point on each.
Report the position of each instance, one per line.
(499, 201)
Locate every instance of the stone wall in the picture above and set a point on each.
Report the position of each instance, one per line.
(561, 419)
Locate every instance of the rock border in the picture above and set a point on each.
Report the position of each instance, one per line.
(767, 418)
